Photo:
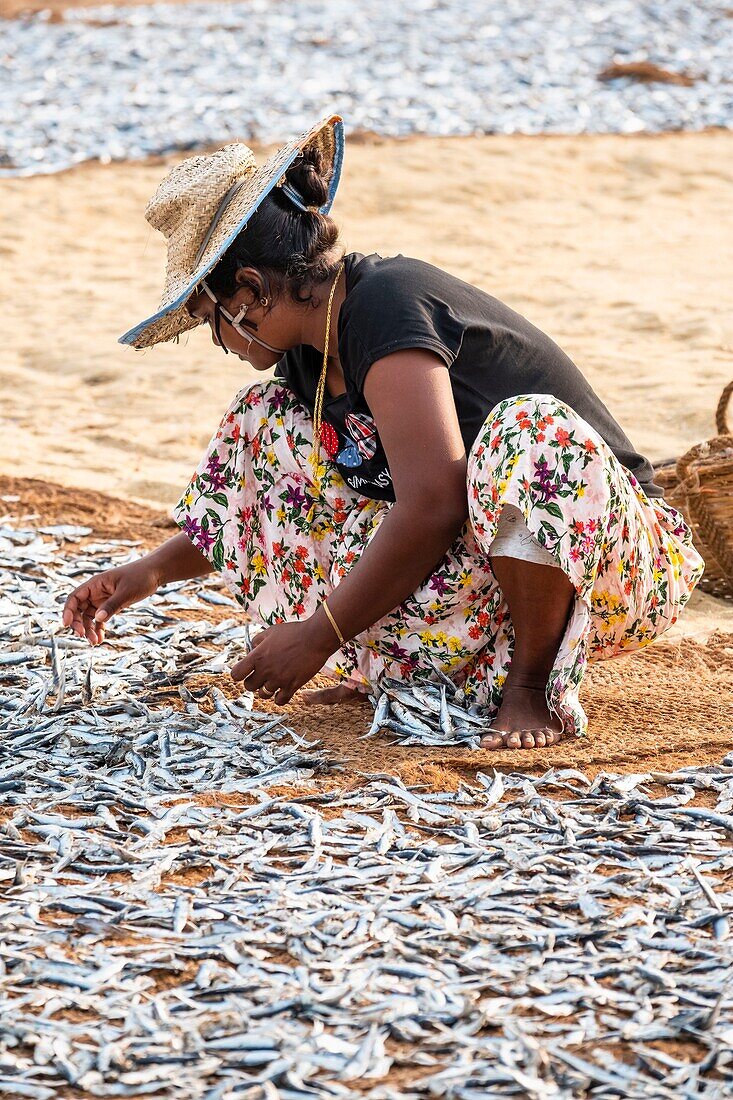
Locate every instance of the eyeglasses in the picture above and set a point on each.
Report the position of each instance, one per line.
(236, 321)
(220, 311)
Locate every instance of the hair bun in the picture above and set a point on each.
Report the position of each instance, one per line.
(306, 175)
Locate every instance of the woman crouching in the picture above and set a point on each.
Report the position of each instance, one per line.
(427, 483)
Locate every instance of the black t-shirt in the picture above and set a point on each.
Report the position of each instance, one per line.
(491, 352)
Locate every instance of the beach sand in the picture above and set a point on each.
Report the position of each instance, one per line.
(621, 248)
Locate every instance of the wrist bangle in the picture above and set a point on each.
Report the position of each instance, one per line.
(333, 622)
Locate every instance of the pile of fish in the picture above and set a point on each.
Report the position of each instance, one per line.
(174, 923)
(128, 82)
(429, 712)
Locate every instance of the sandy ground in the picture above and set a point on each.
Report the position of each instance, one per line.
(608, 243)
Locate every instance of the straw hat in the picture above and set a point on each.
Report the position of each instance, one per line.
(201, 206)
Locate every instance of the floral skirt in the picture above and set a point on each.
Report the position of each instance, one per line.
(282, 544)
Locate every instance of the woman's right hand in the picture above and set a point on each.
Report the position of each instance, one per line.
(93, 603)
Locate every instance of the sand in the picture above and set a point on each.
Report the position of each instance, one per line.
(608, 243)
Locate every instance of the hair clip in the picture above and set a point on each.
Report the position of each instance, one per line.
(296, 198)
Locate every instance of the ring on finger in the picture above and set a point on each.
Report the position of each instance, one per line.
(266, 692)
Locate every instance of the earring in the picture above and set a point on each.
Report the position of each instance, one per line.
(264, 301)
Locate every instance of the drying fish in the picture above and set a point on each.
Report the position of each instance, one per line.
(173, 926)
(152, 82)
(421, 714)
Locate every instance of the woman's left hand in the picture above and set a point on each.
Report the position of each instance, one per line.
(281, 660)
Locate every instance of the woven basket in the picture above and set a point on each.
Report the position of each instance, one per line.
(700, 485)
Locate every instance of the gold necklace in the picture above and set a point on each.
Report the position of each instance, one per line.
(321, 388)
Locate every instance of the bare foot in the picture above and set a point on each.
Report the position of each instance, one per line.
(524, 720)
(331, 695)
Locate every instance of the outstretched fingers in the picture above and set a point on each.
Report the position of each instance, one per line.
(78, 610)
(90, 606)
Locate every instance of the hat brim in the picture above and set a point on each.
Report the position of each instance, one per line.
(173, 319)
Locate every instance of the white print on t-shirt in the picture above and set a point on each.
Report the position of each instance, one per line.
(383, 479)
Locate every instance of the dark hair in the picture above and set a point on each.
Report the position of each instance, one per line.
(288, 246)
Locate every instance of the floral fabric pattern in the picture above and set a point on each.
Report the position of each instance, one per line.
(283, 538)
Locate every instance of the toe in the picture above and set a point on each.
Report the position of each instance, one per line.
(493, 740)
(513, 740)
(540, 739)
(552, 736)
(527, 740)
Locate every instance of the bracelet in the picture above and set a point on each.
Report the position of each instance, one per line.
(333, 622)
